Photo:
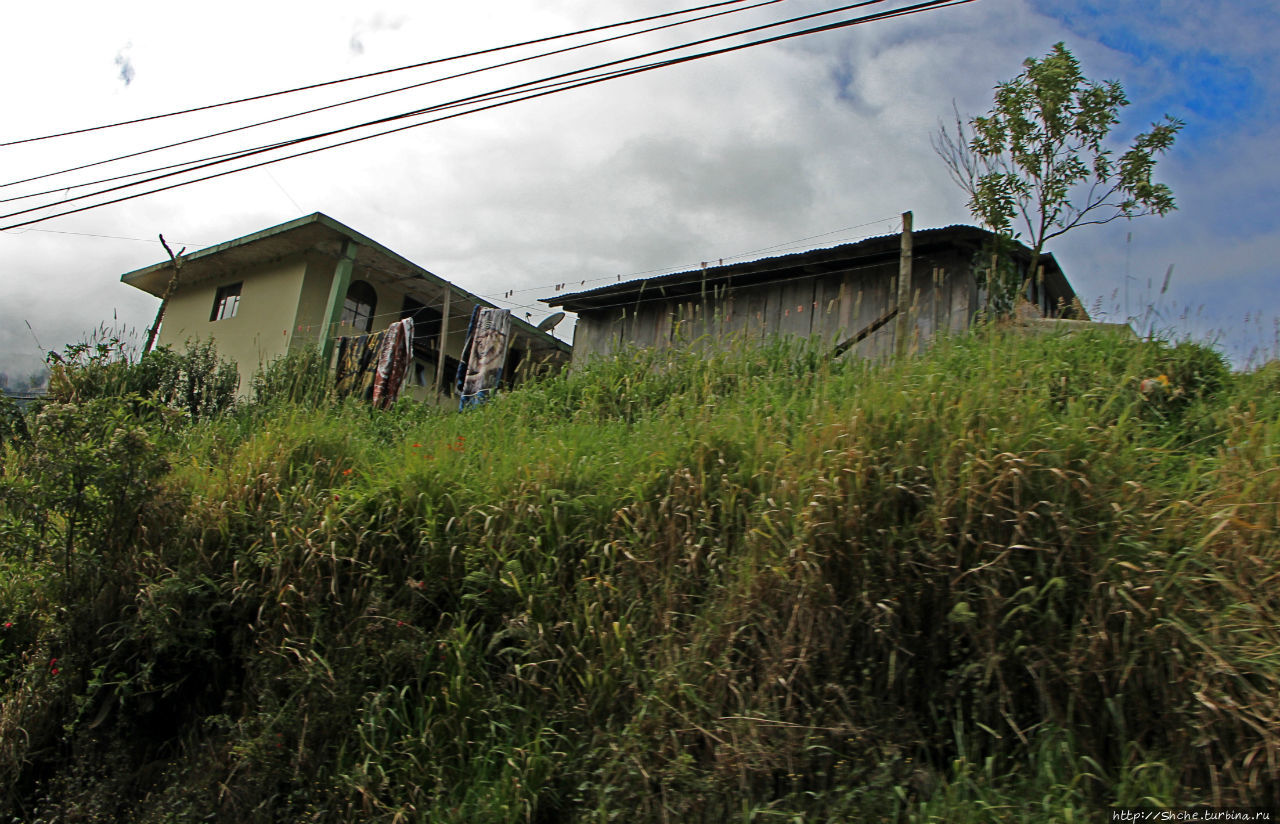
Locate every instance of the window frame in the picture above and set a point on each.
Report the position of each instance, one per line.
(226, 301)
(366, 299)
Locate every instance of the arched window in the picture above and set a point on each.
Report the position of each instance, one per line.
(359, 307)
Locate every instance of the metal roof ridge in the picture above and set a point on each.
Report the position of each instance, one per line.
(728, 270)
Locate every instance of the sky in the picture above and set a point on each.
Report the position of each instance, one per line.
(805, 143)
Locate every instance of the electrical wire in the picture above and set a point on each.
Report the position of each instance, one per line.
(637, 301)
(438, 304)
(105, 237)
(892, 220)
(728, 289)
(368, 75)
(509, 90)
(671, 270)
(339, 104)
(553, 84)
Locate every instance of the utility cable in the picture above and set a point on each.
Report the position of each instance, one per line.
(339, 104)
(509, 90)
(657, 296)
(563, 85)
(438, 304)
(671, 270)
(368, 75)
(548, 87)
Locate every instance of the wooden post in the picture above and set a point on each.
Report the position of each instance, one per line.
(337, 297)
(938, 278)
(904, 286)
(444, 339)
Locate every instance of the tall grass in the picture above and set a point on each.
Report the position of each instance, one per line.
(1012, 576)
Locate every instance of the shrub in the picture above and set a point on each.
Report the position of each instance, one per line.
(195, 380)
(13, 427)
(299, 377)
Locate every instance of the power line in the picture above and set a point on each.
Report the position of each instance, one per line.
(547, 82)
(551, 85)
(341, 103)
(368, 75)
(890, 220)
(192, 165)
(638, 300)
(730, 288)
(106, 237)
(530, 89)
(893, 221)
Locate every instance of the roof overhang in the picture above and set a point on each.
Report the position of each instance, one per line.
(874, 250)
(315, 233)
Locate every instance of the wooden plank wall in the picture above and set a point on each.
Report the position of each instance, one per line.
(831, 305)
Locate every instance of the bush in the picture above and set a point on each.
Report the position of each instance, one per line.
(299, 377)
(196, 380)
(671, 586)
(13, 427)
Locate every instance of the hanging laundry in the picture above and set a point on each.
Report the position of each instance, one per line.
(394, 357)
(483, 356)
(356, 359)
(373, 367)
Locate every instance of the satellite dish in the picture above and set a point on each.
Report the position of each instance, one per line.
(548, 323)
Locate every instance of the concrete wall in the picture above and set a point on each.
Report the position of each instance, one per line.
(282, 306)
(262, 327)
(312, 300)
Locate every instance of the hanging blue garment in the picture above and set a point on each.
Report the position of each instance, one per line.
(483, 356)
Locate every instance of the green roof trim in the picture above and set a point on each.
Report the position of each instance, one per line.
(318, 232)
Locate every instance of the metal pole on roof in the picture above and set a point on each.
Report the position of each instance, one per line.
(337, 297)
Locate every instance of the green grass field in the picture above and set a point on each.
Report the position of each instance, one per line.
(1013, 579)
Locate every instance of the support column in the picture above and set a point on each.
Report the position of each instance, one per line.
(444, 340)
(337, 296)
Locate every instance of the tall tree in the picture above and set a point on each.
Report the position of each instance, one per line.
(1037, 162)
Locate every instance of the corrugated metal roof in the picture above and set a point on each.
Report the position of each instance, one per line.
(867, 248)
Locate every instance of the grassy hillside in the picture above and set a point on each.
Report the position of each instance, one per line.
(1012, 580)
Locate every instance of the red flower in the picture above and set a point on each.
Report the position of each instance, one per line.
(346, 472)
(8, 625)
(53, 671)
(417, 445)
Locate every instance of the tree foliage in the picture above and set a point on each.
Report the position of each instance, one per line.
(1038, 161)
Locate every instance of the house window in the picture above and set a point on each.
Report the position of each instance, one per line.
(225, 302)
(359, 307)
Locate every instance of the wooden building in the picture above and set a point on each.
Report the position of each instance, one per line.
(848, 295)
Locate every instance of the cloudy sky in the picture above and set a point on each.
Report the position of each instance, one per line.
(805, 143)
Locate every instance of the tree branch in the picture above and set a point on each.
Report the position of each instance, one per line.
(176, 262)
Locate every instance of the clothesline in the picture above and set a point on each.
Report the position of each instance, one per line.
(374, 366)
